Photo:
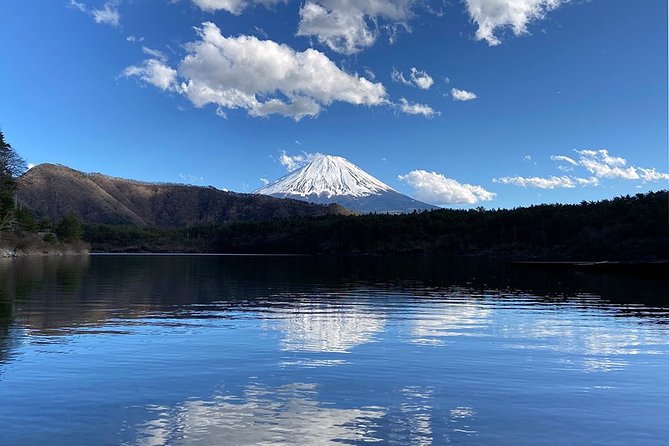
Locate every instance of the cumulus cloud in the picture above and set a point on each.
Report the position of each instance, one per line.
(417, 109)
(156, 73)
(232, 6)
(417, 78)
(261, 77)
(552, 182)
(491, 15)
(462, 95)
(293, 162)
(433, 187)
(108, 14)
(348, 27)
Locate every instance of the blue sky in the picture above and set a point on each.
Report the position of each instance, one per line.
(493, 103)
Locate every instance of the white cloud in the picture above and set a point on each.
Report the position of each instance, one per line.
(547, 183)
(592, 181)
(491, 15)
(78, 5)
(263, 77)
(599, 163)
(349, 27)
(602, 165)
(108, 14)
(30, 166)
(433, 187)
(462, 95)
(232, 6)
(563, 158)
(398, 77)
(652, 175)
(156, 54)
(293, 162)
(134, 39)
(568, 163)
(417, 109)
(264, 181)
(417, 78)
(191, 179)
(156, 73)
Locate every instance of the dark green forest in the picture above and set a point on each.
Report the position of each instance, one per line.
(623, 228)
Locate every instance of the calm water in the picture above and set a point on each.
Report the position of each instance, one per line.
(175, 350)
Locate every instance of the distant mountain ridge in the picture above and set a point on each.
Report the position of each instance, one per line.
(53, 190)
(333, 179)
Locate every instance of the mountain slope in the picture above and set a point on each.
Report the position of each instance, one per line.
(54, 190)
(333, 179)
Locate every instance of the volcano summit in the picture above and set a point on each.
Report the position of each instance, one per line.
(333, 179)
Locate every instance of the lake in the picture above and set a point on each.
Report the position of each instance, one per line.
(234, 350)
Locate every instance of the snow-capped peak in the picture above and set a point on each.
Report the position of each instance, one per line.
(325, 177)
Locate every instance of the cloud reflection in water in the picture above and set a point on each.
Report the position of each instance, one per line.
(288, 414)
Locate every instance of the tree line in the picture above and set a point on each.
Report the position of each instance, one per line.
(627, 227)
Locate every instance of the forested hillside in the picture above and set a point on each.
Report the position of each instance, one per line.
(630, 227)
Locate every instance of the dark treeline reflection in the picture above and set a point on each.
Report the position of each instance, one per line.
(49, 294)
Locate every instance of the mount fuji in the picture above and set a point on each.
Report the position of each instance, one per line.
(333, 179)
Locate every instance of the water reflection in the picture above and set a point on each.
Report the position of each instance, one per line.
(417, 352)
(288, 414)
(596, 346)
(328, 328)
(446, 318)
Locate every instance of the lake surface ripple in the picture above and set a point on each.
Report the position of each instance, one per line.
(232, 350)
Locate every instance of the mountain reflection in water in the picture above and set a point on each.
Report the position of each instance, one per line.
(176, 350)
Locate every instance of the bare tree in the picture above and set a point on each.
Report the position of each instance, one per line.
(11, 165)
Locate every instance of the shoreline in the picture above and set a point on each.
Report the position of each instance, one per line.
(9, 253)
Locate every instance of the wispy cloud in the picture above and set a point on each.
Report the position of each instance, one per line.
(417, 78)
(191, 179)
(157, 54)
(462, 95)
(551, 182)
(108, 14)
(602, 165)
(433, 187)
(293, 162)
(417, 109)
(599, 163)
